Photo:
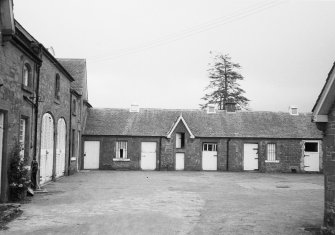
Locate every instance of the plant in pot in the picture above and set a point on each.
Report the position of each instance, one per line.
(18, 175)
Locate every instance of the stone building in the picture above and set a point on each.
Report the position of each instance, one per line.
(42, 104)
(19, 71)
(158, 139)
(324, 117)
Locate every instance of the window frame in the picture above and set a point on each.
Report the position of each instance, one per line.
(57, 86)
(27, 75)
(180, 144)
(273, 152)
(121, 145)
(24, 137)
(205, 147)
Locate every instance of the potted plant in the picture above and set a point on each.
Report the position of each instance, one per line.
(18, 175)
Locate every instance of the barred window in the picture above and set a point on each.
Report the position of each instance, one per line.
(121, 149)
(271, 152)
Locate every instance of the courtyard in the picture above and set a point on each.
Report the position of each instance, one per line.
(141, 202)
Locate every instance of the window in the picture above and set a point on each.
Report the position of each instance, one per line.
(271, 153)
(121, 150)
(73, 144)
(311, 147)
(57, 87)
(74, 107)
(22, 136)
(26, 80)
(209, 147)
(180, 140)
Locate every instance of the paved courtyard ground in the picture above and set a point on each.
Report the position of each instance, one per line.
(129, 202)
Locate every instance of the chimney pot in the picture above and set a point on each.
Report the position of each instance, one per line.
(230, 107)
(134, 108)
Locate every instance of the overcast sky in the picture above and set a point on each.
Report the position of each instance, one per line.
(156, 52)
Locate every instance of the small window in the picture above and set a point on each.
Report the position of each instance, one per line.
(26, 80)
(57, 87)
(73, 144)
(271, 152)
(180, 140)
(210, 147)
(22, 136)
(311, 147)
(74, 107)
(121, 150)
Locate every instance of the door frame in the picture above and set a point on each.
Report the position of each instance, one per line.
(84, 154)
(244, 143)
(175, 159)
(319, 153)
(202, 150)
(140, 159)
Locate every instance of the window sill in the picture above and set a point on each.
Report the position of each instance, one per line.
(121, 160)
(276, 161)
(27, 89)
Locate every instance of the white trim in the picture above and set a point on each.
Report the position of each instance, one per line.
(276, 161)
(175, 125)
(121, 160)
(320, 118)
(324, 94)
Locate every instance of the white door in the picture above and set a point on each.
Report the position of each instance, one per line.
(180, 159)
(91, 154)
(250, 154)
(148, 155)
(47, 146)
(311, 156)
(60, 150)
(1, 143)
(209, 157)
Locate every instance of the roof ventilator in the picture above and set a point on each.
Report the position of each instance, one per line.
(293, 110)
(134, 108)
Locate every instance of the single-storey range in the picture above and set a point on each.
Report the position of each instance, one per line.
(160, 139)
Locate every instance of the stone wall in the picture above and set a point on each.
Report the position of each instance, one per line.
(58, 108)
(16, 101)
(329, 172)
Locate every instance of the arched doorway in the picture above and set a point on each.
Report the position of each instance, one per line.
(60, 149)
(47, 146)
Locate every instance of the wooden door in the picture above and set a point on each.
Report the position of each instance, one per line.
(47, 147)
(60, 150)
(311, 156)
(209, 157)
(250, 158)
(180, 161)
(91, 154)
(148, 155)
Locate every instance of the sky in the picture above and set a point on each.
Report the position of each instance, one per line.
(156, 53)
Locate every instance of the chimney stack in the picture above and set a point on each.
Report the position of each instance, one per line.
(293, 110)
(7, 17)
(230, 107)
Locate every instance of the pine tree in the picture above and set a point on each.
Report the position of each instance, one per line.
(223, 86)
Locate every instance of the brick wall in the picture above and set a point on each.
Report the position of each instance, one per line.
(289, 153)
(108, 152)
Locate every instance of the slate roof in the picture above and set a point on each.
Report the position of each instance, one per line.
(324, 86)
(77, 68)
(158, 122)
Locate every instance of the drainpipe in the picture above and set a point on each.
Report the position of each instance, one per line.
(34, 162)
(227, 163)
(70, 136)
